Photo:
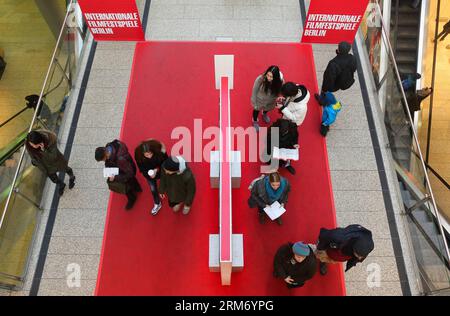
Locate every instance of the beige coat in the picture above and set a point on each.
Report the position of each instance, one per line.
(260, 99)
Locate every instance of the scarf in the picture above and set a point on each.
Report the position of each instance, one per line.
(274, 195)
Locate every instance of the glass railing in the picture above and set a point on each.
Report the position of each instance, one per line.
(428, 198)
(21, 184)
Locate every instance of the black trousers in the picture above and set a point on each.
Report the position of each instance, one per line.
(134, 188)
(172, 204)
(154, 189)
(54, 177)
(256, 113)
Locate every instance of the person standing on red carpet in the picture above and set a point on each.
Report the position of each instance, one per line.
(178, 182)
(287, 138)
(266, 90)
(295, 264)
(266, 191)
(115, 155)
(149, 156)
(351, 244)
(294, 104)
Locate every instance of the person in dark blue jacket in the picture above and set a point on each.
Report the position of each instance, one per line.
(351, 244)
(331, 108)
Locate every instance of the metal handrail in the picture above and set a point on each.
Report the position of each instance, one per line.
(436, 174)
(416, 140)
(9, 152)
(16, 175)
(14, 116)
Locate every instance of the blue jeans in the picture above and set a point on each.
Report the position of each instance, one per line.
(154, 188)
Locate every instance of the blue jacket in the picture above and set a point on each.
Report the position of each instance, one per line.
(330, 109)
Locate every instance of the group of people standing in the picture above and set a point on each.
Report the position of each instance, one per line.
(177, 181)
(296, 262)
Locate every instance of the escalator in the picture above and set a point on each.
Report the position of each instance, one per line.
(426, 238)
(405, 24)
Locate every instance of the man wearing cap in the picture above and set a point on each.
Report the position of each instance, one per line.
(295, 264)
(115, 155)
(339, 72)
(351, 244)
(178, 182)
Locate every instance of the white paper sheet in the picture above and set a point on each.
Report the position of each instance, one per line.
(285, 154)
(275, 210)
(109, 172)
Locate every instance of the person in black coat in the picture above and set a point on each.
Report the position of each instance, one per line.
(352, 244)
(287, 137)
(340, 71)
(115, 155)
(295, 264)
(149, 156)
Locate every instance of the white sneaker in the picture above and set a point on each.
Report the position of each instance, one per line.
(176, 208)
(186, 209)
(156, 208)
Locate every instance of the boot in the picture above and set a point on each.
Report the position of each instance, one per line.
(290, 169)
(262, 218)
(131, 200)
(71, 182)
(61, 188)
(279, 221)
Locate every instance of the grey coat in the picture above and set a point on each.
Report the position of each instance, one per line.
(259, 195)
(260, 99)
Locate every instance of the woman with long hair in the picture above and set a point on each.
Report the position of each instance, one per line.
(42, 148)
(149, 156)
(265, 92)
(268, 190)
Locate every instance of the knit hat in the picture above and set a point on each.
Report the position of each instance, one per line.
(344, 48)
(301, 249)
(171, 164)
(363, 246)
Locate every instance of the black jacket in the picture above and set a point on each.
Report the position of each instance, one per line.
(300, 272)
(339, 73)
(287, 140)
(152, 163)
(343, 239)
(120, 158)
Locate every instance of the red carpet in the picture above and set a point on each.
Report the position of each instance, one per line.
(172, 83)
